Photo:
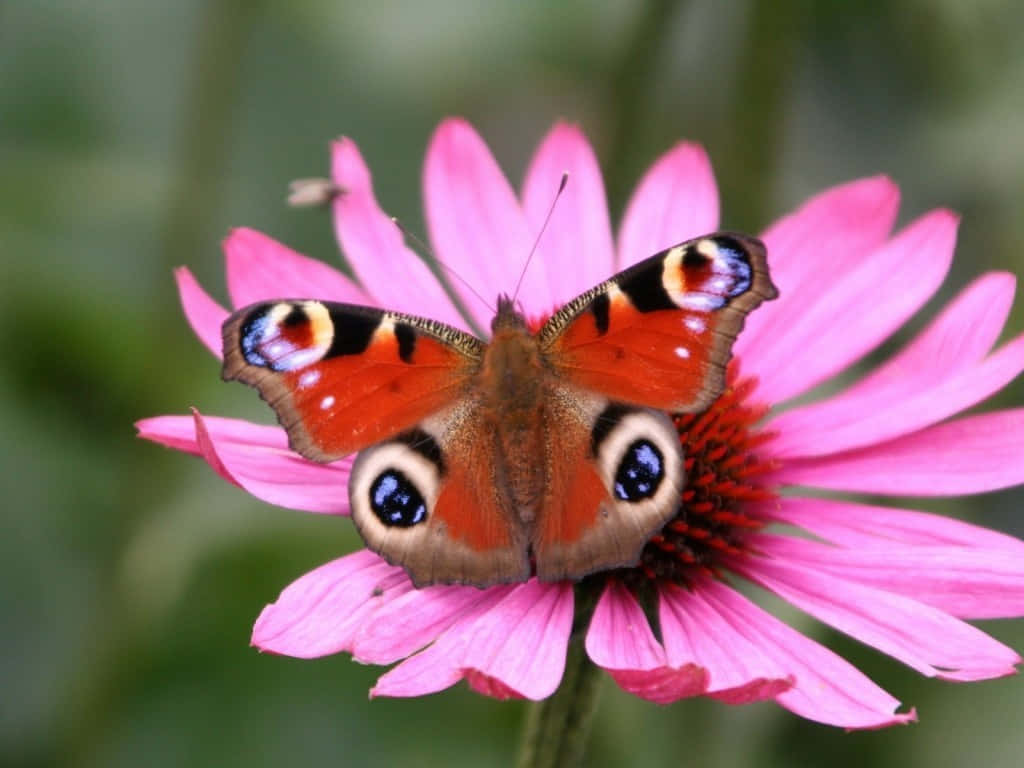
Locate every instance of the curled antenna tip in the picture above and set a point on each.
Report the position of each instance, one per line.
(547, 219)
(410, 234)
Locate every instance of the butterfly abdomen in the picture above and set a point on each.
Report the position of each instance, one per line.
(513, 387)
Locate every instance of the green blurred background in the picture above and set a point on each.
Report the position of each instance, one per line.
(134, 135)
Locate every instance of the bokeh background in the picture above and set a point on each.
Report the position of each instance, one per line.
(134, 135)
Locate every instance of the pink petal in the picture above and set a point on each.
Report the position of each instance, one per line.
(277, 476)
(663, 685)
(811, 252)
(258, 459)
(677, 199)
(319, 613)
(970, 583)
(489, 686)
(827, 688)
(937, 375)
(859, 525)
(179, 432)
(575, 252)
(392, 274)
(520, 643)
(856, 427)
(969, 455)
(620, 640)
(922, 637)
(416, 619)
(961, 335)
(523, 641)
(475, 222)
(846, 315)
(260, 268)
(429, 671)
(204, 315)
(696, 634)
(619, 636)
(439, 666)
(208, 452)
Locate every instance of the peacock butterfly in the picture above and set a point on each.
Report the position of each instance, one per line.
(548, 453)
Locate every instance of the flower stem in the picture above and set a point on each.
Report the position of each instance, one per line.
(556, 729)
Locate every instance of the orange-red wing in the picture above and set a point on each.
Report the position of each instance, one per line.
(341, 377)
(572, 538)
(588, 521)
(660, 333)
(430, 500)
(484, 540)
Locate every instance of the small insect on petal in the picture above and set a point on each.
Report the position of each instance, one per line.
(307, 193)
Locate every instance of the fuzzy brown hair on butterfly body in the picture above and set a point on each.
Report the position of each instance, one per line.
(512, 380)
(547, 454)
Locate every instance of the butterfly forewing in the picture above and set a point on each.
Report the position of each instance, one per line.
(342, 377)
(660, 333)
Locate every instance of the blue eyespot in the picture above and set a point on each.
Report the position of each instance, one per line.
(640, 472)
(396, 501)
(252, 332)
(739, 268)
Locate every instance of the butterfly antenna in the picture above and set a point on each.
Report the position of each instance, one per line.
(426, 249)
(536, 242)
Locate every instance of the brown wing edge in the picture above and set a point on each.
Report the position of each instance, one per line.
(457, 482)
(729, 319)
(620, 530)
(271, 384)
(732, 317)
(761, 286)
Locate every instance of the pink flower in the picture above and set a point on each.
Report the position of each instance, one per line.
(899, 580)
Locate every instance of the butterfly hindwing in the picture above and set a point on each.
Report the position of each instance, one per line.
(341, 377)
(436, 499)
(430, 500)
(615, 478)
(660, 333)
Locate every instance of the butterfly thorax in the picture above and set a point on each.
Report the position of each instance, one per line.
(512, 382)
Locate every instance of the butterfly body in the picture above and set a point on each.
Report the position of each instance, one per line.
(546, 453)
(513, 383)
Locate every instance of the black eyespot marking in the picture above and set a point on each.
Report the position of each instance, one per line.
(406, 336)
(606, 422)
(396, 501)
(600, 308)
(644, 286)
(694, 259)
(425, 445)
(297, 316)
(353, 331)
(640, 472)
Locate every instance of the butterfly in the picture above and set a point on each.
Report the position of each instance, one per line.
(547, 453)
